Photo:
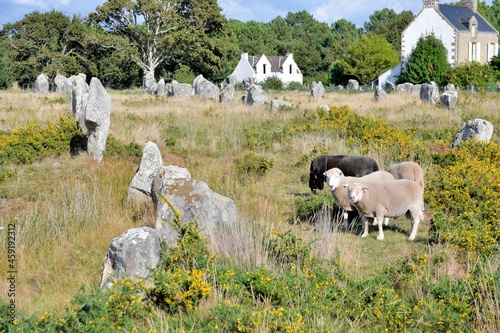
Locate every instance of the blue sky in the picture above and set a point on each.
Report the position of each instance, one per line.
(329, 11)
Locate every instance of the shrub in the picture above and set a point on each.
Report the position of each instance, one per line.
(250, 164)
(272, 83)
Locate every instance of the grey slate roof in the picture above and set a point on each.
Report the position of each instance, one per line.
(276, 62)
(459, 17)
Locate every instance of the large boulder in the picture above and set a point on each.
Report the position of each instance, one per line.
(352, 85)
(449, 98)
(247, 82)
(78, 100)
(478, 128)
(231, 80)
(42, 84)
(317, 90)
(149, 82)
(194, 201)
(151, 162)
(380, 93)
(227, 94)
(63, 84)
(278, 104)
(205, 89)
(97, 118)
(160, 88)
(256, 95)
(131, 255)
(177, 89)
(429, 93)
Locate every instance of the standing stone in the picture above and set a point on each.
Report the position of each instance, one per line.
(205, 88)
(317, 90)
(352, 85)
(231, 80)
(389, 85)
(247, 82)
(478, 128)
(131, 255)
(97, 119)
(63, 84)
(256, 95)
(380, 93)
(429, 93)
(42, 84)
(149, 82)
(227, 94)
(160, 90)
(278, 104)
(449, 98)
(78, 100)
(151, 162)
(194, 201)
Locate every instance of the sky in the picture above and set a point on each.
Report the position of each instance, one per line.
(329, 11)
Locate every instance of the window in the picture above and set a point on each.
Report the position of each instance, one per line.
(472, 51)
(263, 68)
(291, 67)
(473, 30)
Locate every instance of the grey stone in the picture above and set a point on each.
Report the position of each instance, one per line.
(317, 90)
(449, 98)
(148, 82)
(352, 85)
(151, 162)
(160, 88)
(227, 94)
(247, 83)
(42, 84)
(389, 85)
(63, 84)
(380, 93)
(205, 89)
(429, 93)
(97, 119)
(78, 100)
(178, 89)
(194, 201)
(278, 104)
(231, 80)
(131, 255)
(256, 95)
(478, 128)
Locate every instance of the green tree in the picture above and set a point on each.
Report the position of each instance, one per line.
(45, 42)
(428, 62)
(344, 33)
(5, 76)
(371, 56)
(387, 23)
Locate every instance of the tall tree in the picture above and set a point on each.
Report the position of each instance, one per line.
(371, 56)
(154, 28)
(47, 42)
(344, 34)
(428, 62)
(387, 23)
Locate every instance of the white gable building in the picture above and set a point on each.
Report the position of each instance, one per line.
(261, 67)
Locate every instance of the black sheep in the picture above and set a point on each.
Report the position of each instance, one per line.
(351, 165)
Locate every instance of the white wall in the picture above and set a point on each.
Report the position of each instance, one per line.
(426, 23)
(243, 69)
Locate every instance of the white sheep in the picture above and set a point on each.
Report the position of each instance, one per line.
(408, 170)
(335, 179)
(388, 199)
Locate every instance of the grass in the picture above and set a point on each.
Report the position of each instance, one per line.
(68, 209)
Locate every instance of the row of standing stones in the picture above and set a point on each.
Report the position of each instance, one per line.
(137, 250)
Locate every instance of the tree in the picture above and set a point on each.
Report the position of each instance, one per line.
(472, 73)
(369, 57)
(428, 62)
(5, 76)
(387, 23)
(344, 34)
(45, 42)
(155, 28)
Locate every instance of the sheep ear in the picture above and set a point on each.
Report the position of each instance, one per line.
(345, 185)
(365, 188)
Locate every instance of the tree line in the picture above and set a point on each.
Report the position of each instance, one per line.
(122, 41)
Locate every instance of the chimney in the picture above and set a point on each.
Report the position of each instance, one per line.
(431, 4)
(472, 4)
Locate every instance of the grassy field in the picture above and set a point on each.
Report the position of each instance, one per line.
(67, 209)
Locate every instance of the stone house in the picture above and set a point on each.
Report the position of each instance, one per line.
(261, 67)
(466, 35)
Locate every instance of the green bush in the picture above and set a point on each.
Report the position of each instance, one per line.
(272, 83)
(251, 164)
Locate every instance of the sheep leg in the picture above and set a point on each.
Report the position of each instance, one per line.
(386, 221)
(346, 221)
(415, 222)
(380, 229)
(365, 225)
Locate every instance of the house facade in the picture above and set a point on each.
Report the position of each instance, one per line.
(261, 67)
(465, 34)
